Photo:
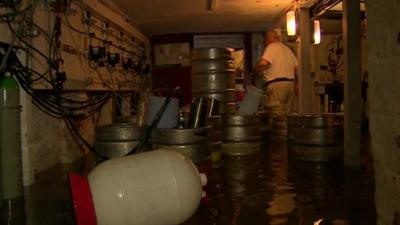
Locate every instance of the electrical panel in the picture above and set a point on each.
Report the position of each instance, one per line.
(78, 45)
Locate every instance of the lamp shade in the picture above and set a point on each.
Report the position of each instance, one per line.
(291, 23)
(317, 32)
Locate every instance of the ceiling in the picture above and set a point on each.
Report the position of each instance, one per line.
(191, 16)
(339, 7)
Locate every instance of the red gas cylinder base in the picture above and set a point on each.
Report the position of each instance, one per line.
(82, 200)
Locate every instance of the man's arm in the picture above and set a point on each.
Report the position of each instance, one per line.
(262, 65)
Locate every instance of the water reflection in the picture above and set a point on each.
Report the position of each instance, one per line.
(266, 188)
(273, 188)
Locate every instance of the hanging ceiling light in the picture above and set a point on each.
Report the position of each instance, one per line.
(317, 32)
(211, 5)
(291, 23)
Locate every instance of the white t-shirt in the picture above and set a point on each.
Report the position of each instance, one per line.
(282, 61)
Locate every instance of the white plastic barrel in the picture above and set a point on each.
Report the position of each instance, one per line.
(160, 187)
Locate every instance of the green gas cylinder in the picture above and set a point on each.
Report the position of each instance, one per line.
(12, 206)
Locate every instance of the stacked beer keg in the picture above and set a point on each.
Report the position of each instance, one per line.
(316, 137)
(241, 134)
(279, 128)
(117, 139)
(265, 122)
(215, 137)
(191, 142)
(213, 76)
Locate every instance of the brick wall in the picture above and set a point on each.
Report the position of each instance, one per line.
(384, 79)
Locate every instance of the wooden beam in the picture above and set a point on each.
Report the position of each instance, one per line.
(352, 83)
(306, 3)
(304, 55)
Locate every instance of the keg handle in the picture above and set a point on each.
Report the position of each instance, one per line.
(198, 113)
(203, 131)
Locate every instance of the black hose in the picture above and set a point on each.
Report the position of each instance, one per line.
(140, 146)
(52, 103)
(75, 133)
(24, 42)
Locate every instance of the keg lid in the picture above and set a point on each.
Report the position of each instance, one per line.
(82, 199)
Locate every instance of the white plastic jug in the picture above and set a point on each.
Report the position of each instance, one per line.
(254, 97)
(160, 187)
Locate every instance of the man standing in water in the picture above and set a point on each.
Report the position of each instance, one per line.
(278, 68)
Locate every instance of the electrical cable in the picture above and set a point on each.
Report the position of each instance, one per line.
(10, 47)
(80, 57)
(47, 111)
(30, 70)
(96, 63)
(24, 69)
(52, 99)
(72, 128)
(76, 134)
(25, 42)
(72, 112)
(69, 25)
(95, 102)
(41, 29)
(57, 104)
(15, 12)
(52, 102)
(142, 143)
(39, 75)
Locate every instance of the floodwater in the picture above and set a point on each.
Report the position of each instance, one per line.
(266, 188)
(272, 188)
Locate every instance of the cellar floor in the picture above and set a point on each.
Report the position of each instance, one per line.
(269, 187)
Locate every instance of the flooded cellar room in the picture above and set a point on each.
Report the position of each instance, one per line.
(199, 112)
